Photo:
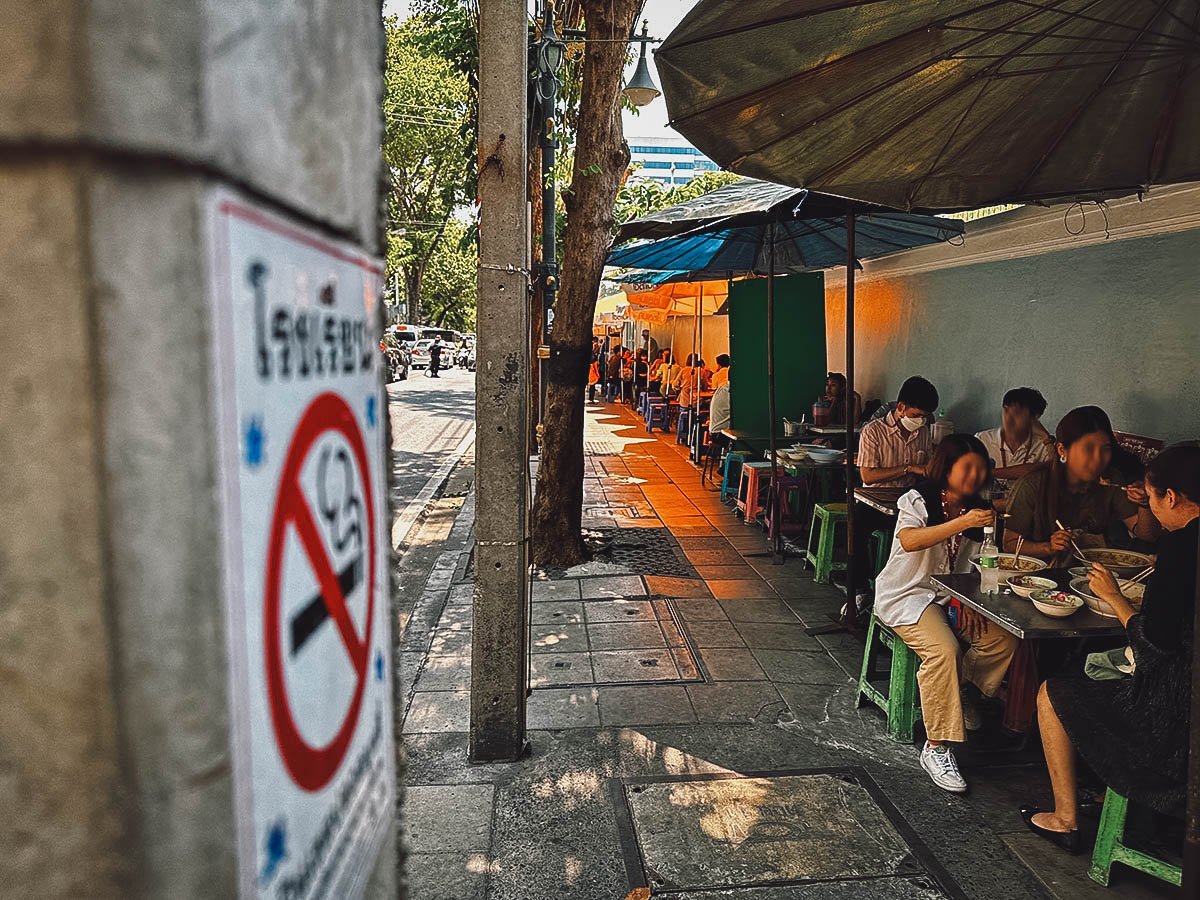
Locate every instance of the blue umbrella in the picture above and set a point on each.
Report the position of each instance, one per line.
(807, 231)
(754, 227)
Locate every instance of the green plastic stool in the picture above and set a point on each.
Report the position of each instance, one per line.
(900, 702)
(823, 563)
(1109, 849)
(880, 546)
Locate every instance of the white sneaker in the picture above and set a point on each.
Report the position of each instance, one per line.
(940, 764)
(971, 718)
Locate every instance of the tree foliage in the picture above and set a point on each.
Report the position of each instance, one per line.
(428, 126)
(642, 196)
(450, 285)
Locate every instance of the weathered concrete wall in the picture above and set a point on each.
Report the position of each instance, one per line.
(116, 116)
(1114, 324)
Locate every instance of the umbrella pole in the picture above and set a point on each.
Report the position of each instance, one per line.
(851, 600)
(776, 511)
(699, 373)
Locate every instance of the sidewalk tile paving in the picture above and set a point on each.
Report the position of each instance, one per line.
(664, 671)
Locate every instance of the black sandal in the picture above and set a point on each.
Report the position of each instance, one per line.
(1067, 840)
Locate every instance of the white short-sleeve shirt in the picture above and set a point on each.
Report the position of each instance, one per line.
(903, 588)
(1032, 451)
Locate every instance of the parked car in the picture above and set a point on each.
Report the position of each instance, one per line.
(397, 356)
(420, 354)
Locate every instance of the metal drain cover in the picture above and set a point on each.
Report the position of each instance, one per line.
(647, 551)
(717, 833)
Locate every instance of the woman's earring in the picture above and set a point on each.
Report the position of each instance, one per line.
(1062, 459)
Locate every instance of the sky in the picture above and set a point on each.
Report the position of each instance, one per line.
(663, 15)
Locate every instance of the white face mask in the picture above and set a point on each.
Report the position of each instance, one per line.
(912, 423)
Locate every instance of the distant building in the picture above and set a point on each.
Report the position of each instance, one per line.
(667, 159)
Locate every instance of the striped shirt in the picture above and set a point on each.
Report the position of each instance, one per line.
(886, 444)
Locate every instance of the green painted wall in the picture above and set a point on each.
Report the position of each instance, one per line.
(799, 349)
(1116, 325)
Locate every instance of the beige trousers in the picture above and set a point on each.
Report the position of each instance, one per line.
(944, 668)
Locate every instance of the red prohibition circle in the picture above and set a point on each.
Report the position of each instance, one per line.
(313, 767)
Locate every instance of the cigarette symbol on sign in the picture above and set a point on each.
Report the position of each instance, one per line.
(314, 613)
(316, 610)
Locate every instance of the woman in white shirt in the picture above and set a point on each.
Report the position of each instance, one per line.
(938, 528)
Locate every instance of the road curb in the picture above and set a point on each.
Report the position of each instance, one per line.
(404, 522)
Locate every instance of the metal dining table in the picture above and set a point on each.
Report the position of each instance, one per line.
(1020, 617)
(881, 499)
(828, 430)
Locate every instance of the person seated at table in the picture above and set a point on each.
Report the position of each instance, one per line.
(939, 525)
(1133, 732)
(612, 372)
(649, 344)
(721, 376)
(893, 451)
(835, 396)
(719, 419)
(1069, 491)
(1021, 444)
(719, 414)
(686, 378)
(657, 368)
(641, 374)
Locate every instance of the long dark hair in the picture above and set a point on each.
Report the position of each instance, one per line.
(1124, 463)
(1075, 425)
(951, 449)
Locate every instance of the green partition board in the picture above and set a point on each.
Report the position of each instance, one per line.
(800, 364)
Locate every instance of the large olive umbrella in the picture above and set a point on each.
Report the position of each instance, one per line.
(942, 104)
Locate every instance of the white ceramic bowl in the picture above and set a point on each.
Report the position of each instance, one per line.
(1027, 585)
(1057, 604)
(822, 454)
(1029, 565)
(1135, 593)
(1120, 562)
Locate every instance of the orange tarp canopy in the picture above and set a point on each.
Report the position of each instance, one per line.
(680, 298)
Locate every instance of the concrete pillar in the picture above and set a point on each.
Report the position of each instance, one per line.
(499, 651)
(118, 119)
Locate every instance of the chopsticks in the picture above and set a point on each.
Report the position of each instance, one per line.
(1145, 573)
(1017, 555)
(1071, 538)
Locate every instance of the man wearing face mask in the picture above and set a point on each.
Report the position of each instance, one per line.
(893, 451)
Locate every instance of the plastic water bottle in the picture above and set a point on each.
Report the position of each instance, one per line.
(989, 563)
(943, 426)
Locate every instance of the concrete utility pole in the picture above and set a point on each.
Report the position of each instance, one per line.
(499, 651)
(167, 168)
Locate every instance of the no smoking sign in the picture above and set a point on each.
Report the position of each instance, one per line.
(324, 505)
(295, 334)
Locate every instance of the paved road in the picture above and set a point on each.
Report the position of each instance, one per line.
(430, 419)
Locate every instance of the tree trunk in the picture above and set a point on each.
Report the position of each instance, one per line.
(601, 158)
(412, 291)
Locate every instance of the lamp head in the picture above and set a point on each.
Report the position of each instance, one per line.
(641, 89)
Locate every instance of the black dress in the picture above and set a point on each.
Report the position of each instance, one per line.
(1134, 732)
